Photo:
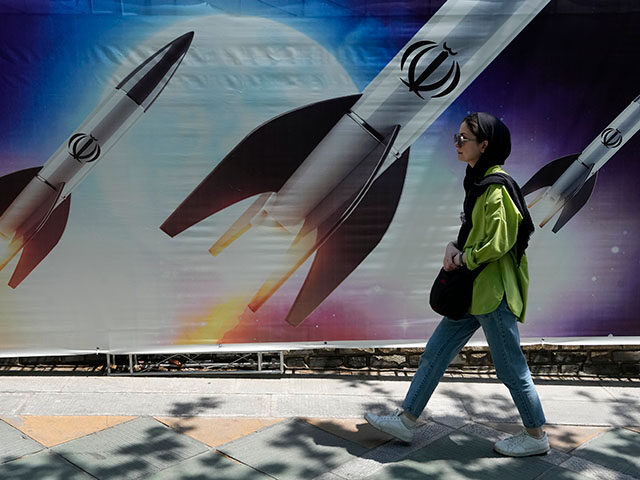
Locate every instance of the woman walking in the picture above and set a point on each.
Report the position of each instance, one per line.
(496, 243)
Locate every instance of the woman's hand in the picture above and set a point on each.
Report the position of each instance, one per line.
(449, 253)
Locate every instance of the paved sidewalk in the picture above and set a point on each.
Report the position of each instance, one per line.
(293, 427)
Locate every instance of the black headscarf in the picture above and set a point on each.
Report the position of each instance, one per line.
(497, 134)
(498, 149)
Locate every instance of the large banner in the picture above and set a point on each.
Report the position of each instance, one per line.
(190, 174)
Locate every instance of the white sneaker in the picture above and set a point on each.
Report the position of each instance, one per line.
(391, 424)
(523, 445)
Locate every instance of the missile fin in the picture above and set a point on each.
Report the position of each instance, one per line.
(351, 242)
(320, 225)
(548, 174)
(261, 162)
(12, 184)
(575, 203)
(41, 243)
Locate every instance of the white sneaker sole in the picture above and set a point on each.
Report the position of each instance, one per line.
(527, 454)
(406, 439)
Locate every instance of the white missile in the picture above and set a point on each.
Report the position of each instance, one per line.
(330, 174)
(34, 203)
(571, 179)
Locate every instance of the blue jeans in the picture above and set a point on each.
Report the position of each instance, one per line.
(501, 329)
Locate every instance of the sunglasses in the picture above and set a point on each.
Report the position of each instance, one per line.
(459, 139)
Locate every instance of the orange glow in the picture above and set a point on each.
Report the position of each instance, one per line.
(8, 250)
(222, 318)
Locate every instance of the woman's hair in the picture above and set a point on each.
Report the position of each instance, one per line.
(474, 125)
(485, 126)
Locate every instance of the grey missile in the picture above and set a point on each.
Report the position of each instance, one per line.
(333, 185)
(34, 203)
(571, 179)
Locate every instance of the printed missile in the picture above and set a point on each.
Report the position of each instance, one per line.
(34, 203)
(329, 175)
(571, 179)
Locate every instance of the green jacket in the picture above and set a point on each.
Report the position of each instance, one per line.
(493, 234)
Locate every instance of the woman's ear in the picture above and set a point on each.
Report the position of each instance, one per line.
(484, 145)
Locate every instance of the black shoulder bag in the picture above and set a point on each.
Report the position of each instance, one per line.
(452, 291)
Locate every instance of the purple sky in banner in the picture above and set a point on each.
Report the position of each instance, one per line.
(560, 82)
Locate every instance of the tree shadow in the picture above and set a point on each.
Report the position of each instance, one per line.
(293, 449)
(210, 466)
(462, 456)
(617, 448)
(44, 464)
(134, 449)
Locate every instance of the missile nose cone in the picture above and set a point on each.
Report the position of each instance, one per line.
(187, 37)
(181, 44)
(145, 83)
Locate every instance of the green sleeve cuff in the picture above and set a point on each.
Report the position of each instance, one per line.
(471, 265)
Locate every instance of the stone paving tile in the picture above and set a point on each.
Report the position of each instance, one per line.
(445, 409)
(292, 450)
(589, 413)
(130, 450)
(53, 430)
(487, 432)
(561, 437)
(208, 466)
(324, 406)
(329, 476)
(11, 403)
(562, 474)
(217, 431)
(389, 452)
(453, 421)
(352, 429)
(42, 466)
(397, 450)
(140, 404)
(625, 394)
(353, 470)
(483, 431)
(494, 409)
(567, 392)
(555, 457)
(15, 444)
(594, 471)
(26, 383)
(567, 438)
(617, 449)
(346, 386)
(461, 456)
